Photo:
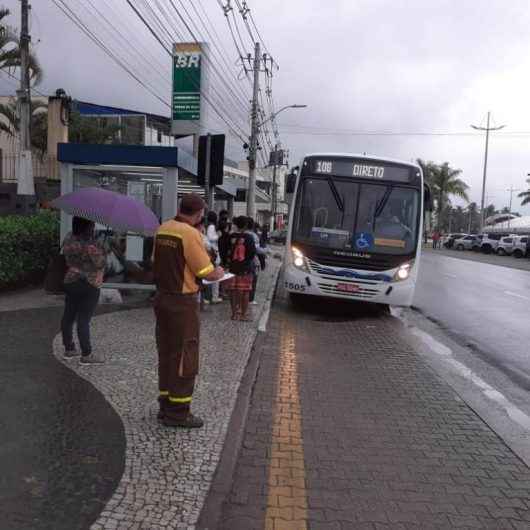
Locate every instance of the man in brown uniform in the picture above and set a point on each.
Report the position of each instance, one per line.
(179, 258)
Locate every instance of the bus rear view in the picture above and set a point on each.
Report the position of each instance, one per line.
(354, 230)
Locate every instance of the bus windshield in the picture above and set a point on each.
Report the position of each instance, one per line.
(342, 214)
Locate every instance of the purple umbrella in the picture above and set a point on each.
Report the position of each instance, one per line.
(120, 212)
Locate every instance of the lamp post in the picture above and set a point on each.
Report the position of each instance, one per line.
(251, 194)
(487, 129)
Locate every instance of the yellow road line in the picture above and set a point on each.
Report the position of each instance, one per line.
(287, 495)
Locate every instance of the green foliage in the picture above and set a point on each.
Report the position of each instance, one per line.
(444, 182)
(27, 244)
(10, 50)
(525, 195)
(90, 130)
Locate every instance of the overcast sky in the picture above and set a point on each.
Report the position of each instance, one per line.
(409, 66)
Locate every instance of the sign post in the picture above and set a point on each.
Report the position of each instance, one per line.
(186, 96)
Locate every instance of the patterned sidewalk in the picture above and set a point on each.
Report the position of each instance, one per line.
(168, 472)
(348, 428)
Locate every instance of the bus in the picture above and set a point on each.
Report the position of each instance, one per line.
(355, 228)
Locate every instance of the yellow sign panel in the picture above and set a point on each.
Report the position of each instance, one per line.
(396, 243)
(186, 47)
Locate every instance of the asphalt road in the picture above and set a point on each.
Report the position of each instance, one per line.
(62, 446)
(485, 306)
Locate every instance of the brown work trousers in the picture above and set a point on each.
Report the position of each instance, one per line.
(177, 338)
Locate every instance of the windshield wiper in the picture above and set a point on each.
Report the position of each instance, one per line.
(336, 194)
(382, 203)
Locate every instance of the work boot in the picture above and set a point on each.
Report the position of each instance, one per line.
(189, 422)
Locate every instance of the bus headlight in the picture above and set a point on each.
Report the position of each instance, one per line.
(298, 259)
(403, 272)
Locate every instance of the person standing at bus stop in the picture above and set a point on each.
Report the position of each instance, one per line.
(179, 259)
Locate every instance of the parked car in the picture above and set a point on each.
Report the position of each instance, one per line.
(449, 240)
(467, 243)
(519, 246)
(505, 246)
(477, 242)
(490, 242)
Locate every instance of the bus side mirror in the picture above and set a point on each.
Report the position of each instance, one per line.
(427, 198)
(290, 184)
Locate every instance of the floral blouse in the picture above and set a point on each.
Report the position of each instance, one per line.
(85, 260)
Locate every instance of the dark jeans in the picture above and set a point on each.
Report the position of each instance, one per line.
(80, 303)
(254, 285)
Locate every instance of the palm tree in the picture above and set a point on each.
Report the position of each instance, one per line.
(525, 195)
(474, 218)
(427, 169)
(10, 121)
(10, 50)
(445, 183)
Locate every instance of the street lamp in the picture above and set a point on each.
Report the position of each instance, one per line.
(487, 129)
(253, 142)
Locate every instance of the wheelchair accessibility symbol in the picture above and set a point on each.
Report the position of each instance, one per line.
(364, 241)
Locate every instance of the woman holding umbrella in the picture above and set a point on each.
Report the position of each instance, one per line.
(85, 258)
(85, 261)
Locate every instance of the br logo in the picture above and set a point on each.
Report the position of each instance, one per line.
(187, 60)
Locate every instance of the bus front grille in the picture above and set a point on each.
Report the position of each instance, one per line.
(372, 264)
(367, 278)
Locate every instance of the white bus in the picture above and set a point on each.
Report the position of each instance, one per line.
(355, 228)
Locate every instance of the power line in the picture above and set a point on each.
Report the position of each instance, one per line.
(77, 21)
(206, 98)
(219, 104)
(212, 65)
(222, 52)
(139, 55)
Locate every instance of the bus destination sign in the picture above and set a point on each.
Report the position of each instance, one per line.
(361, 168)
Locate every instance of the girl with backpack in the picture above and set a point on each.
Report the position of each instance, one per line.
(242, 251)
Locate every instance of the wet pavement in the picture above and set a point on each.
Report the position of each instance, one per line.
(485, 306)
(492, 259)
(62, 445)
(168, 471)
(348, 427)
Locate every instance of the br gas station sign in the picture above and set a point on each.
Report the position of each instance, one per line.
(186, 100)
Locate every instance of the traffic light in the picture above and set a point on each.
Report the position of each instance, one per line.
(217, 158)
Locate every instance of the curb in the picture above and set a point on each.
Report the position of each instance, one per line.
(222, 480)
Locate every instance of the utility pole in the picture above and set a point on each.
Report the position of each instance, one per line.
(511, 189)
(208, 189)
(274, 201)
(487, 129)
(25, 183)
(252, 152)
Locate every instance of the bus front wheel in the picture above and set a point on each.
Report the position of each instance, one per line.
(296, 300)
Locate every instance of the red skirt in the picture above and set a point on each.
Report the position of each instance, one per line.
(239, 283)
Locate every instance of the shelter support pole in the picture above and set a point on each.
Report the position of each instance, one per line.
(169, 193)
(66, 173)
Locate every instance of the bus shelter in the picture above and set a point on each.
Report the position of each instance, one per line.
(148, 173)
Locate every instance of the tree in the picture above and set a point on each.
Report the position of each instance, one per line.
(489, 211)
(427, 169)
(445, 183)
(473, 222)
(10, 50)
(525, 195)
(10, 124)
(89, 130)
